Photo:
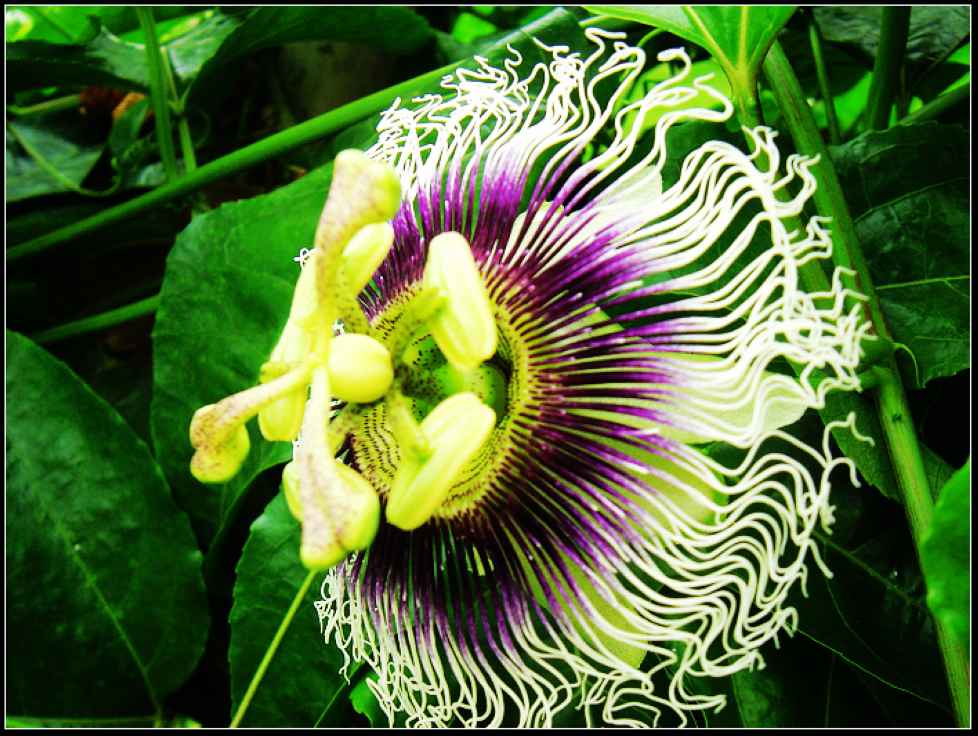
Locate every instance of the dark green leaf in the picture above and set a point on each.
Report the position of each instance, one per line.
(196, 47)
(908, 189)
(935, 31)
(63, 140)
(946, 555)
(303, 678)
(103, 59)
(871, 612)
(393, 29)
(784, 694)
(106, 613)
(225, 298)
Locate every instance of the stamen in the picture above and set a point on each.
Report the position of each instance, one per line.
(456, 430)
(464, 327)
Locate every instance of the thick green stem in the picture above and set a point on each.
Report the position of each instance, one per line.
(939, 105)
(891, 400)
(746, 104)
(822, 74)
(270, 147)
(894, 29)
(99, 321)
(272, 648)
(158, 92)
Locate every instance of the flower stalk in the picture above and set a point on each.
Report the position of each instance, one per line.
(272, 649)
(891, 400)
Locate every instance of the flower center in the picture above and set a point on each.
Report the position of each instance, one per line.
(425, 378)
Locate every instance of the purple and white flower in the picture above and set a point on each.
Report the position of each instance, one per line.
(593, 553)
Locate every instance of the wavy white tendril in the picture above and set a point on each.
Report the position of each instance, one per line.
(702, 582)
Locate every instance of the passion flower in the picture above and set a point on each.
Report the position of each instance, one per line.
(568, 338)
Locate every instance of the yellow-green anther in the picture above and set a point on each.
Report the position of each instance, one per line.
(218, 463)
(217, 431)
(456, 430)
(463, 327)
(339, 509)
(362, 192)
(360, 368)
(364, 254)
(359, 510)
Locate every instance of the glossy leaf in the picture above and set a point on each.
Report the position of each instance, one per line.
(303, 679)
(101, 59)
(737, 36)
(871, 612)
(935, 31)
(908, 193)
(106, 613)
(63, 140)
(946, 555)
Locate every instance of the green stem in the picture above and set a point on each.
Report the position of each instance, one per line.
(270, 147)
(67, 102)
(746, 104)
(272, 648)
(158, 91)
(939, 105)
(891, 400)
(822, 74)
(894, 29)
(183, 125)
(99, 321)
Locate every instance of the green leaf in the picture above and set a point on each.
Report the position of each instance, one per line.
(106, 612)
(58, 24)
(101, 59)
(224, 301)
(392, 29)
(871, 612)
(366, 704)
(63, 139)
(192, 50)
(304, 677)
(71, 24)
(671, 18)
(935, 31)
(737, 36)
(908, 190)
(945, 555)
